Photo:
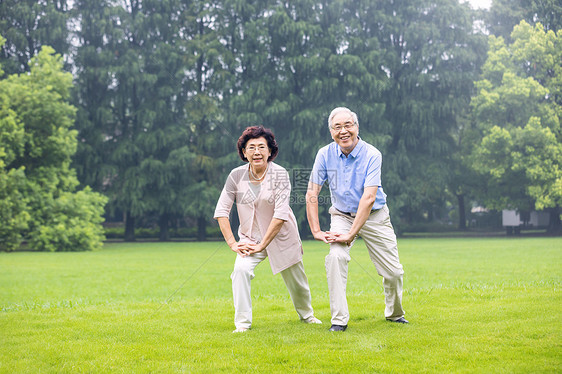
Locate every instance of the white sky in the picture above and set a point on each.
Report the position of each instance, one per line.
(480, 4)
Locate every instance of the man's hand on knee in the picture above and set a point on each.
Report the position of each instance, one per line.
(346, 239)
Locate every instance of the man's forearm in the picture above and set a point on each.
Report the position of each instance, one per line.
(312, 213)
(363, 210)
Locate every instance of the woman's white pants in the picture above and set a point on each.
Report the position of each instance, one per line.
(295, 280)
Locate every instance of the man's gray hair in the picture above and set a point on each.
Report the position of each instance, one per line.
(339, 110)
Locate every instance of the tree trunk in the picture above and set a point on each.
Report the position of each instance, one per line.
(129, 228)
(201, 228)
(164, 227)
(462, 212)
(554, 224)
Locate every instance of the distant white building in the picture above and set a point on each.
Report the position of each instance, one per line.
(513, 220)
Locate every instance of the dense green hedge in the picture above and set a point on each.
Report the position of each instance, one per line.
(153, 233)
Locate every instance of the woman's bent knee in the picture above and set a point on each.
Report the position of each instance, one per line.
(242, 270)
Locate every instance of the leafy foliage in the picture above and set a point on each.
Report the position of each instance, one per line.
(517, 111)
(28, 25)
(36, 182)
(505, 14)
(165, 87)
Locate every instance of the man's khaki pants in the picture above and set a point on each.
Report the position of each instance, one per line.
(380, 240)
(294, 277)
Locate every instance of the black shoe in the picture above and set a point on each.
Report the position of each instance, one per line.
(399, 320)
(338, 328)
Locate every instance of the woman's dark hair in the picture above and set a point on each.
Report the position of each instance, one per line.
(254, 132)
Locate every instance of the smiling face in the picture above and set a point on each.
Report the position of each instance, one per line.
(344, 131)
(257, 152)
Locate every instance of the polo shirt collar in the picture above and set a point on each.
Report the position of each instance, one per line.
(360, 144)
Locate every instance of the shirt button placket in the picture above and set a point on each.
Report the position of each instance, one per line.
(346, 174)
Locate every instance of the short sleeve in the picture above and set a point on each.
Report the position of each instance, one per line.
(282, 195)
(319, 173)
(226, 199)
(373, 172)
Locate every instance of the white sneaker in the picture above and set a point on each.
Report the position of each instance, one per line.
(313, 320)
(240, 329)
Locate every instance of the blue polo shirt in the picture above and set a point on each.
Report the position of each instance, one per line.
(348, 176)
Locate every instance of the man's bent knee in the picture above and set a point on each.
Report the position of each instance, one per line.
(339, 252)
(394, 276)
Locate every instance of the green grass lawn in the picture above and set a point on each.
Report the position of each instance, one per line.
(474, 305)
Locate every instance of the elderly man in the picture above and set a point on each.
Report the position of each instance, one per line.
(352, 168)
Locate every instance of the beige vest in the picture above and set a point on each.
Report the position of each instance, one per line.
(272, 201)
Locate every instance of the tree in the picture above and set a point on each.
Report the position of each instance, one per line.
(163, 140)
(130, 67)
(517, 112)
(432, 55)
(98, 37)
(210, 136)
(28, 25)
(36, 150)
(13, 204)
(296, 65)
(164, 88)
(150, 99)
(406, 68)
(505, 14)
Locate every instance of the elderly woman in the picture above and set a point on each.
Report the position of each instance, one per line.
(268, 227)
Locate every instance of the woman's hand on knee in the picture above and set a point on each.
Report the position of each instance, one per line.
(241, 248)
(325, 236)
(255, 248)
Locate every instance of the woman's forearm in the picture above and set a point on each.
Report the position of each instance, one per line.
(272, 231)
(224, 224)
